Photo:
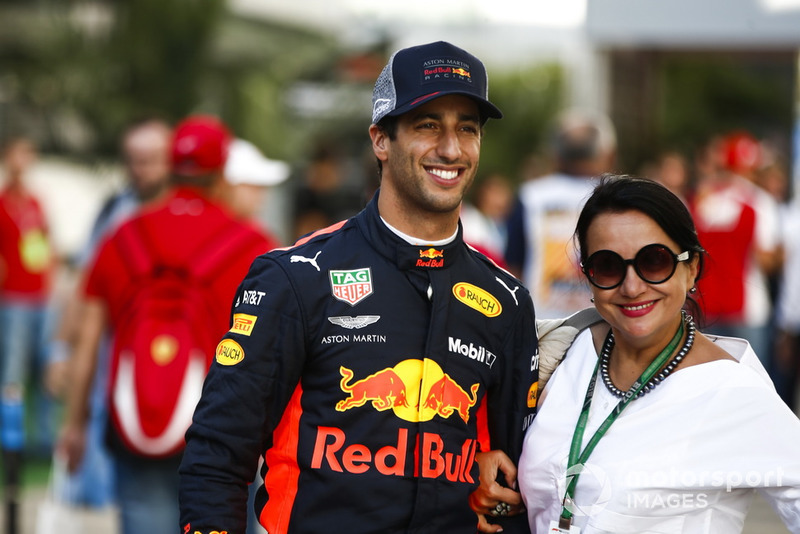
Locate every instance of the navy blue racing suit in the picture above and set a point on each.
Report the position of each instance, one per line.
(367, 372)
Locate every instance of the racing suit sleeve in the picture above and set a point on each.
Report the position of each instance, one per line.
(511, 403)
(255, 371)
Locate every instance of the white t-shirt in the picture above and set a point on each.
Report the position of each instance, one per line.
(685, 458)
(551, 269)
(788, 306)
(720, 210)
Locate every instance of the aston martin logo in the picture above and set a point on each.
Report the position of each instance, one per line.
(350, 322)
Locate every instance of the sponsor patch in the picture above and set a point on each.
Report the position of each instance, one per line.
(446, 68)
(243, 324)
(229, 352)
(533, 395)
(477, 299)
(359, 321)
(471, 351)
(351, 286)
(430, 257)
(251, 297)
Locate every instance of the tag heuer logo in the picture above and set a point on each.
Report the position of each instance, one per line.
(351, 286)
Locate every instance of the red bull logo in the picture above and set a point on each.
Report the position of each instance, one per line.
(447, 397)
(462, 72)
(385, 389)
(415, 390)
(431, 253)
(431, 460)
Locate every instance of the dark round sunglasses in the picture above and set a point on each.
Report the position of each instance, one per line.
(655, 264)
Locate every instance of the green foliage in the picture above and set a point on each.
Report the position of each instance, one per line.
(714, 94)
(529, 99)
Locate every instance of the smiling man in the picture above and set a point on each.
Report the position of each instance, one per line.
(370, 378)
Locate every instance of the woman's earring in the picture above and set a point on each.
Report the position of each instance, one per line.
(592, 299)
(693, 290)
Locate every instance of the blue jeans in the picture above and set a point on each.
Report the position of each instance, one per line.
(24, 335)
(147, 492)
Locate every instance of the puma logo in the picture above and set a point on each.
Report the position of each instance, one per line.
(312, 261)
(513, 293)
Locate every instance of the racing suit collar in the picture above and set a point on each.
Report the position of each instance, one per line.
(404, 255)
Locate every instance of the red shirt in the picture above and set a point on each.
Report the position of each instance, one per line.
(25, 248)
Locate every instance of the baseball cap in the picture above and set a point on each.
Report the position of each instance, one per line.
(199, 146)
(421, 73)
(247, 165)
(741, 152)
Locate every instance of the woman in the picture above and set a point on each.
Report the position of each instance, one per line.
(648, 425)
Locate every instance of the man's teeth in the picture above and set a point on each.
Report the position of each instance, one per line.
(640, 307)
(445, 175)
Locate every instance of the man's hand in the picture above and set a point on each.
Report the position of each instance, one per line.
(491, 498)
(71, 446)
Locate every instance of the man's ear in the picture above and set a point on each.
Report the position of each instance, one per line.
(380, 142)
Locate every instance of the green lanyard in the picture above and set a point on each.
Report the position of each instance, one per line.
(575, 456)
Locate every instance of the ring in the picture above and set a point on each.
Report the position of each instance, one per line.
(502, 508)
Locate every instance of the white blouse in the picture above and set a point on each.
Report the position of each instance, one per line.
(685, 458)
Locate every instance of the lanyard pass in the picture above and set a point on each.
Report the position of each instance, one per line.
(563, 526)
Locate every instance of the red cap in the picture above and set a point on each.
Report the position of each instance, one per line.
(200, 146)
(741, 152)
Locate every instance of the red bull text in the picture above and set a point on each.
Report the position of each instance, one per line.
(332, 451)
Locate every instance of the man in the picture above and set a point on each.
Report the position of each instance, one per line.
(539, 248)
(250, 174)
(187, 249)
(372, 361)
(145, 151)
(739, 225)
(26, 268)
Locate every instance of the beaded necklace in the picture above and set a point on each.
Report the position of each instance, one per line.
(605, 354)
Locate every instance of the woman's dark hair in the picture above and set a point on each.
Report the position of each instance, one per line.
(616, 194)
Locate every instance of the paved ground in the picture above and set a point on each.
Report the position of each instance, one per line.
(761, 520)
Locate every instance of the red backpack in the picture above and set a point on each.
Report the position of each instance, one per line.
(164, 345)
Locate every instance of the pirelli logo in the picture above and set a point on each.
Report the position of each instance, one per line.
(243, 324)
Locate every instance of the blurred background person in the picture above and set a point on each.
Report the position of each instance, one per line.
(784, 282)
(250, 175)
(26, 268)
(672, 171)
(738, 224)
(539, 247)
(136, 286)
(483, 215)
(145, 153)
(326, 194)
(786, 364)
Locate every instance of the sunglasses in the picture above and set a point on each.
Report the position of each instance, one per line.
(655, 264)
